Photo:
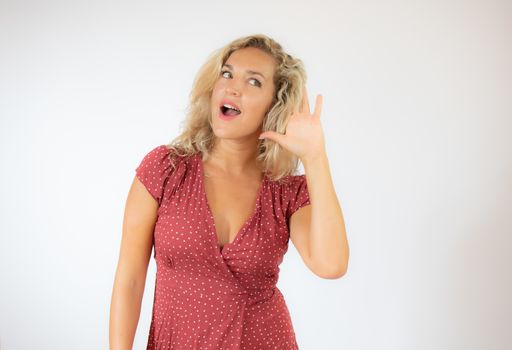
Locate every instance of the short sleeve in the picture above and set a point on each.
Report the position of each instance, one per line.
(154, 171)
(298, 195)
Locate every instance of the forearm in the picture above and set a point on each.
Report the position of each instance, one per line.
(124, 314)
(328, 244)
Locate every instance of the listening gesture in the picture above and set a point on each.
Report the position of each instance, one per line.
(304, 135)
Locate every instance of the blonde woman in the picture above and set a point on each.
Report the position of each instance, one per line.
(220, 203)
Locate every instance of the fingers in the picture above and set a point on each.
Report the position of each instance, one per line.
(304, 105)
(318, 106)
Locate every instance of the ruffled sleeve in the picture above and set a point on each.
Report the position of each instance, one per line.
(298, 195)
(154, 171)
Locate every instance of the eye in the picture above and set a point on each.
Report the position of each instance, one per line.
(224, 71)
(257, 82)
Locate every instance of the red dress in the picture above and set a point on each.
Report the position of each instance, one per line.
(207, 297)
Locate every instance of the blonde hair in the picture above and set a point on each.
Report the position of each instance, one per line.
(289, 79)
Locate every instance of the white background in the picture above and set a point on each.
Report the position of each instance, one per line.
(418, 121)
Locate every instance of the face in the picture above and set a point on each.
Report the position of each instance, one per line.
(245, 82)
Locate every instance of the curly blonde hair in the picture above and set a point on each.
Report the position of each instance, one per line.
(289, 79)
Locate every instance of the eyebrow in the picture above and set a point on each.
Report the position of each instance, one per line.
(248, 71)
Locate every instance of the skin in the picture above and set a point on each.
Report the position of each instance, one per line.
(236, 143)
(136, 245)
(317, 230)
(232, 165)
(232, 175)
(232, 178)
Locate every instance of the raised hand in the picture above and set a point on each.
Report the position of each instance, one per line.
(304, 135)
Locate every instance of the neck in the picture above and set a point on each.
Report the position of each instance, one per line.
(235, 158)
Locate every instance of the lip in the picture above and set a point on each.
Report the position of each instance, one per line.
(227, 117)
(231, 103)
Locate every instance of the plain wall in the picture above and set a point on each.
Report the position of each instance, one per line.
(417, 117)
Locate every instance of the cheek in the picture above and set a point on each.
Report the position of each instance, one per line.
(217, 88)
(256, 110)
(216, 95)
(264, 105)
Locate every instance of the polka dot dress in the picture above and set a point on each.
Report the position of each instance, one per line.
(211, 297)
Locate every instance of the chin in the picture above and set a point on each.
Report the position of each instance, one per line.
(222, 132)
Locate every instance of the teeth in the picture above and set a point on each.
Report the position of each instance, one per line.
(230, 106)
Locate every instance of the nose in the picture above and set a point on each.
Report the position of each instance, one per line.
(233, 89)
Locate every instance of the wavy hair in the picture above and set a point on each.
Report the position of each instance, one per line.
(289, 79)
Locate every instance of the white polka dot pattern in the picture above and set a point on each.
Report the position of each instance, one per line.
(299, 195)
(207, 297)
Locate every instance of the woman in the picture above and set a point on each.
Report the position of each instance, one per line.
(220, 204)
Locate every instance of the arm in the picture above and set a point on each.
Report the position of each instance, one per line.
(318, 230)
(136, 245)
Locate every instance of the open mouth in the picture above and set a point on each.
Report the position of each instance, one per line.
(229, 111)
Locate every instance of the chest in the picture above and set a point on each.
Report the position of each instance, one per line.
(232, 203)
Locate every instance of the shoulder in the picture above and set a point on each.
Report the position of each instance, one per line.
(288, 188)
(295, 193)
(159, 154)
(160, 169)
(289, 184)
(297, 186)
(162, 158)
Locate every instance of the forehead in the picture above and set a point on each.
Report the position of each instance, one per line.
(251, 58)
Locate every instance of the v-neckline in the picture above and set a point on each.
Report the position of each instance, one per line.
(214, 234)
